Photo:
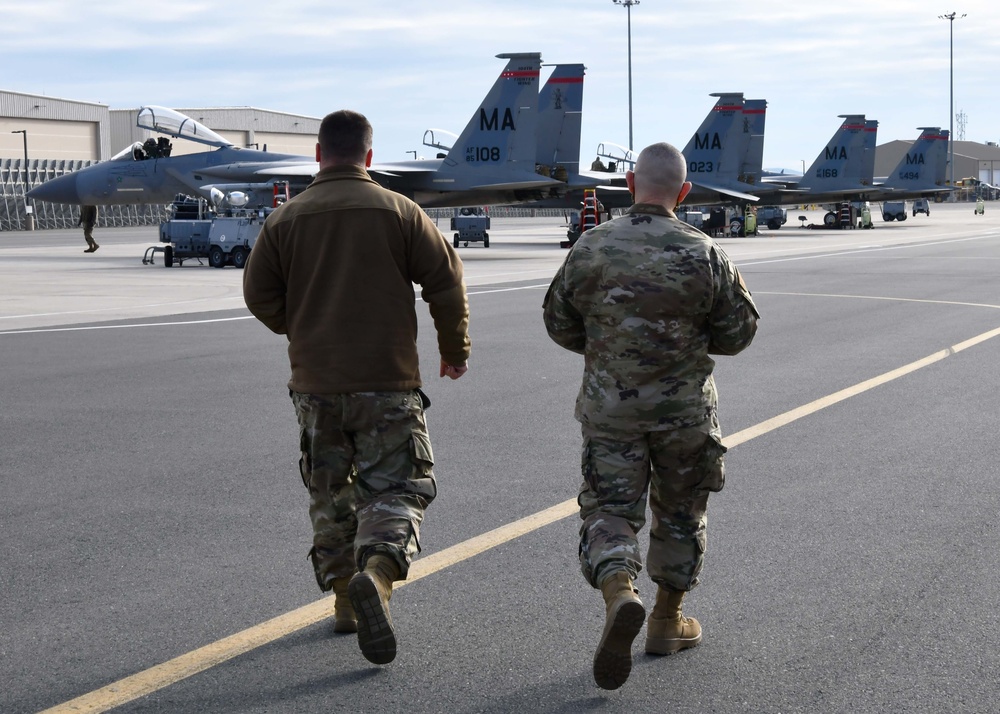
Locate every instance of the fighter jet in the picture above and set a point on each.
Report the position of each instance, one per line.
(843, 170)
(492, 162)
(560, 110)
(724, 157)
(146, 173)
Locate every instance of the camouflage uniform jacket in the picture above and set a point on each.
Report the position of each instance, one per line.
(334, 269)
(646, 299)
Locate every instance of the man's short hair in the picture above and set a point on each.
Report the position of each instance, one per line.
(345, 137)
(661, 165)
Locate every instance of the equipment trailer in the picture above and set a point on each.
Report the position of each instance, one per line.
(222, 240)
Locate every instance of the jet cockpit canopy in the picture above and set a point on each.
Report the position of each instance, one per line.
(168, 121)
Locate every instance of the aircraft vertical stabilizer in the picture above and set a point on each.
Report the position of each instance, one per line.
(838, 166)
(716, 151)
(560, 119)
(867, 173)
(502, 133)
(720, 131)
(752, 166)
(924, 166)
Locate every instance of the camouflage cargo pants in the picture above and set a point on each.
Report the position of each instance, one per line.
(367, 462)
(677, 469)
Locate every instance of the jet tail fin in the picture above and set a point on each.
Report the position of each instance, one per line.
(924, 166)
(500, 136)
(716, 150)
(754, 115)
(560, 119)
(840, 165)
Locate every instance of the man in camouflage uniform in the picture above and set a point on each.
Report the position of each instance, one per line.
(333, 269)
(646, 299)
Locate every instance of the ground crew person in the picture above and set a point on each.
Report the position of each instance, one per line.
(334, 269)
(88, 218)
(646, 299)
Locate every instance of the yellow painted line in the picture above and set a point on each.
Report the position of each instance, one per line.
(812, 407)
(883, 297)
(191, 663)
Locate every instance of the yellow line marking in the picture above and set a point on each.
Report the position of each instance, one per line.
(882, 297)
(191, 663)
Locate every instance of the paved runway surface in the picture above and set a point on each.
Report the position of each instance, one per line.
(153, 526)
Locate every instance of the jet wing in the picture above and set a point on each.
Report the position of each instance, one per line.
(310, 168)
(542, 182)
(727, 191)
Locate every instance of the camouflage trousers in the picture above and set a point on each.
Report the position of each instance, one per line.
(677, 469)
(367, 463)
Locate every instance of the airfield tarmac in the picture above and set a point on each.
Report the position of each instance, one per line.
(153, 527)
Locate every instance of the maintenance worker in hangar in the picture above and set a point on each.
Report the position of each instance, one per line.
(333, 269)
(646, 299)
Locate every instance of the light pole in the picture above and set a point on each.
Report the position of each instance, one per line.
(951, 17)
(627, 4)
(25, 133)
(27, 206)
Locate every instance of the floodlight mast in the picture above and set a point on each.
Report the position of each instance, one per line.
(951, 17)
(627, 4)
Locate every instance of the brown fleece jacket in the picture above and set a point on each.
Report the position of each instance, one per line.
(334, 269)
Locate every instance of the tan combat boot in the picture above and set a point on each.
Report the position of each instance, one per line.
(344, 619)
(668, 630)
(370, 591)
(623, 620)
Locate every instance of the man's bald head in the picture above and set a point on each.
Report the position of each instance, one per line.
(659, 176)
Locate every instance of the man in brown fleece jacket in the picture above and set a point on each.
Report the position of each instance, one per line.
(334, 269)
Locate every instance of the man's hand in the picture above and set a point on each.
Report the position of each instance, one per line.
(453, 371)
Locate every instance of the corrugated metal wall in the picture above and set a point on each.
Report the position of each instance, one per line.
(21, 111)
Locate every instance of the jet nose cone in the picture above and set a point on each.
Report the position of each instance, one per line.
(57, 190)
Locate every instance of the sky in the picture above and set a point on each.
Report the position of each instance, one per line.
(413, 65)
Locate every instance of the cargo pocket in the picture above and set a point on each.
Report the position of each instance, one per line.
(420, 451)
(586, 498)
(711, 464)
(422, 482)
(305, 463)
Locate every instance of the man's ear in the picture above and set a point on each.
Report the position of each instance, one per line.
(368, 158)
(685, 190)
(630, 181)
(318, 157)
